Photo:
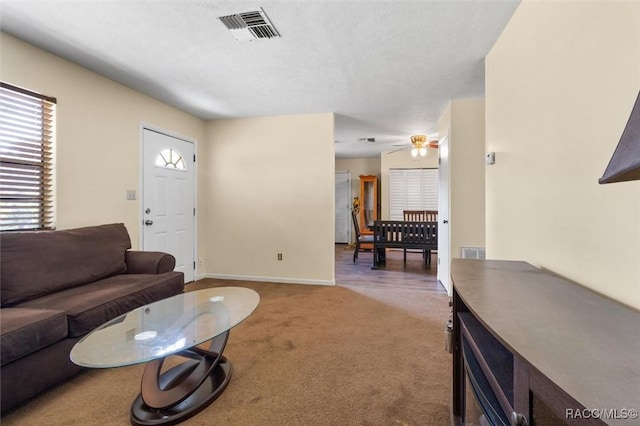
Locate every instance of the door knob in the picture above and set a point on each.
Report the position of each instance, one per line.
(148, 222)
(445, 221)
(518, 419)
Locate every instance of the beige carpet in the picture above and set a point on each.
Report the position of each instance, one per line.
(309, 355)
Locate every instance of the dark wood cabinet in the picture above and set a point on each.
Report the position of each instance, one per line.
(532, 348)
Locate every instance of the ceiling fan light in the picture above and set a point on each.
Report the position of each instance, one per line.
(423, 151)
(414, 152)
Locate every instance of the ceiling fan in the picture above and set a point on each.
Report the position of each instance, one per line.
(419, 145)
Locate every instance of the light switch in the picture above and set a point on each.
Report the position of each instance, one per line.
(131, 194)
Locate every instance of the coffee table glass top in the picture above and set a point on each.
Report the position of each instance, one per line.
(165, 327)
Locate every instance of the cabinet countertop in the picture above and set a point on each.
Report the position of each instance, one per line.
(585, 343)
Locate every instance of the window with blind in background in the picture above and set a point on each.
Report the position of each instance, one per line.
(27, 123)
(412, 189)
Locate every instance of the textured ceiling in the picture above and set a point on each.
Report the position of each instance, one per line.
(385, 68)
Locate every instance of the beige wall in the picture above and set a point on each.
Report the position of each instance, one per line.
(277, 199)
(467, 171)
(463, 121)
(267, 187)
(560, 84)
(401, 160)
(357, 167)
(97, 137)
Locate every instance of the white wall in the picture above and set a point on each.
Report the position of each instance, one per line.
(97, 135)
(267, 187)
(560, 84)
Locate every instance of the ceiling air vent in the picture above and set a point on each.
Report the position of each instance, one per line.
(250, 25)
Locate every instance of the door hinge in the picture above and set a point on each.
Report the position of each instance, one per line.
(194, 211)
(194, 158)
(194, 265)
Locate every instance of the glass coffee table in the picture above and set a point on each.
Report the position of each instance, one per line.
(173, 326)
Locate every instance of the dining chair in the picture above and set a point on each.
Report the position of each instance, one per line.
(430, 215)
(359, 237)
(414, 215)
(420, 216)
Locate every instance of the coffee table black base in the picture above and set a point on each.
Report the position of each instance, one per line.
(184, 390)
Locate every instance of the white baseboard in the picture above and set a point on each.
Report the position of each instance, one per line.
(266, 279)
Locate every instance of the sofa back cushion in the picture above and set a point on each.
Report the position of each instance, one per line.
(36, 263)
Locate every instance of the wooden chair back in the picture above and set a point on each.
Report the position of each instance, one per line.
(413, 215)
(420, 215)
(354, 217)
(431, 215)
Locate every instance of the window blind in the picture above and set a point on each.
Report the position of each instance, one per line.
(412, 189)
(27, 128)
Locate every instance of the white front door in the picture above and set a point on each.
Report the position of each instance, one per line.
(168, 213)
(444, 255)
(343, 207)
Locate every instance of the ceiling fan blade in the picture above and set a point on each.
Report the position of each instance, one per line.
(401, 149)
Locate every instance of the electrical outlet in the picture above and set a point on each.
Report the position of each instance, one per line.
(279, 256)
(131, 194)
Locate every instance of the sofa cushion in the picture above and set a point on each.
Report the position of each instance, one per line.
(37, 263)
(24, 331)
(91, 305)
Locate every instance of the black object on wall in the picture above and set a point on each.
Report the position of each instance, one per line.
(625, 162)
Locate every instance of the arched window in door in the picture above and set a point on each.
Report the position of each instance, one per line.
(170, 159)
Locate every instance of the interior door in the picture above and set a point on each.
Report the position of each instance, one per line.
(168, 199)
(343, 207)
(444, 250)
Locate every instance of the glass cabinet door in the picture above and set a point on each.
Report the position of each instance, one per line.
(368, 202)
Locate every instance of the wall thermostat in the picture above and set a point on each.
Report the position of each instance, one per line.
(491, 158)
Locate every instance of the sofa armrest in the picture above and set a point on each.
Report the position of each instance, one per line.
(149, 262)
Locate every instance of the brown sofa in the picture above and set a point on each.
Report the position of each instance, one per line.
(56, 286)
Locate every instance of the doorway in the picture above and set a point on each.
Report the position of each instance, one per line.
(444, 256)
(168, 198)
